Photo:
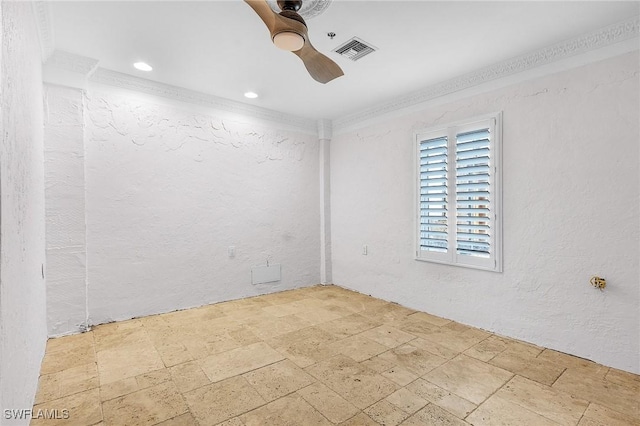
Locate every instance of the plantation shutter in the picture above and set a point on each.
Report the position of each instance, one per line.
(458, 216)
(434, 226)
(473, 193)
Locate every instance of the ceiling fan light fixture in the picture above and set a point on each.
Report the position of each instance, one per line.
(288, 40)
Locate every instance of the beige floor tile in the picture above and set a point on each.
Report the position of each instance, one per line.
(469, 378)
(569, 361)
(432, 319)
(360, 420)
(623, 378)
(291, 410)
(188, 376)
(132, 384)
(336, 367)
(118, 388)
(378, 364)
(544, 400)
(174, 354)
(266, 329)
(199, 348)
(597, 415)
(217, 402)
(243, 336)
(237, 361)
(357, 347)
(284, 296)
(60, 360)
(338, 308)
(308, 334)
(118, 363)
(583, 385)
(386, 413)
(306, 346)
(388, 312)
(283, 309)
(364, 305)
(498, 411)
(541, 370)
(81, 409)
(416, 360)
(388, 336)
(487, 349)
(279, 379)
(145, 407)
(66, 382)
(67, 343)
(328, 292)
(250, 304)
(117, 334)
(153, 378)
(185, 419)
(399, 375)
(433, 415)
(328, 403)
(348, 325)
(455, 340)
(232, 422)
(435, 348)
(354, 382)
(406, 400)
(203, 313)
(215, 343)
(415, 325)
(320, 315)
(205, 331)
(452, 403)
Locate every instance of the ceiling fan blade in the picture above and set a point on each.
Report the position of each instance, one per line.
(321, 68)
(262, 8)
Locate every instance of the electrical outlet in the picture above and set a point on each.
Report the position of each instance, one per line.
(365, 249)
(231, 251)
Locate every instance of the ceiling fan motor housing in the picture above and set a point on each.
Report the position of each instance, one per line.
(293, 15)
(293, 5)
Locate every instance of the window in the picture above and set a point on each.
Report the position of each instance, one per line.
(459, 194)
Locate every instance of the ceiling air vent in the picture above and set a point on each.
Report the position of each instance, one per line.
(355, 49)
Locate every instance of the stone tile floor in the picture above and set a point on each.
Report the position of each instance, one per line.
(320, 356)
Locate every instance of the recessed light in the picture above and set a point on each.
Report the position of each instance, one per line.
(251, 95)
(142, 66)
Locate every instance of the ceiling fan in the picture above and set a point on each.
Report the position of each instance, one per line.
(289, 32)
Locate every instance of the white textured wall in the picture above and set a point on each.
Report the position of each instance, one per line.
(571, 209)
(65, 210)
(23, 331)
(170, 186)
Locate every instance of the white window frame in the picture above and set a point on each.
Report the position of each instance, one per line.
(451, 257)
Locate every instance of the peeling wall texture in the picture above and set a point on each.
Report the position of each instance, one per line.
(570, 209)
(23, 331)
(65, 210)
(170, 187)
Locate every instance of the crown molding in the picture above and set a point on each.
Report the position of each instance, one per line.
(601, 38)
(71, 62)
(129, 82)
(43, 16)
(68, 69)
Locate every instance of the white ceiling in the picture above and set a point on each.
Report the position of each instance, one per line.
(222, 48)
